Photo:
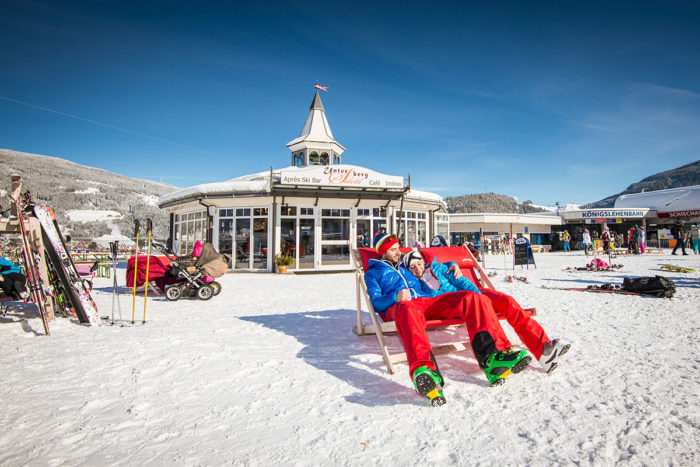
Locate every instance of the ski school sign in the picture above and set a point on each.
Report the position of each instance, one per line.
(690, 213)
(340, 176)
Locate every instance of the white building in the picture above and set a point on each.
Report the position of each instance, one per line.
(313, 210)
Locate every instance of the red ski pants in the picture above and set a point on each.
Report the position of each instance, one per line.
(474, 309)
(528, 330)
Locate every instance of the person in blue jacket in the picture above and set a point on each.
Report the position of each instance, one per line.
(436, 280)
(12, 280)
(397, 295)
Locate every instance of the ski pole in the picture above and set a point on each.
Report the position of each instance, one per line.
(114, 249)
(136, 268)
(149, 227)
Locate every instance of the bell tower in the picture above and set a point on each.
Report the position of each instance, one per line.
(316, 145)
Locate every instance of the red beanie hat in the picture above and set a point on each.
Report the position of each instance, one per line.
(383, 242)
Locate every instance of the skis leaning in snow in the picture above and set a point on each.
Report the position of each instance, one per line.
(33, 277)
(77, 291)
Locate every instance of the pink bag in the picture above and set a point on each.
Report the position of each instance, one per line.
(598, 263)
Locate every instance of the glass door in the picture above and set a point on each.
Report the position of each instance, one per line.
(307, 236)
(242, 242)
(335, 238)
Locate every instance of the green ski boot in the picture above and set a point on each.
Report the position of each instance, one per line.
(502, 364)
(429, 383)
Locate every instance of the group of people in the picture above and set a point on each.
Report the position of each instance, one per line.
(409, 292)
(636, 240)
(686, 238)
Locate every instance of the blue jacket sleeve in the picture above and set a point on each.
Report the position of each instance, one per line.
(380, 301)
(462, 283)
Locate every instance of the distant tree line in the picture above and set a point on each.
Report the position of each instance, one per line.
(489, 202)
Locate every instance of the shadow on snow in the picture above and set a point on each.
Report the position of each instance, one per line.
(330, 345)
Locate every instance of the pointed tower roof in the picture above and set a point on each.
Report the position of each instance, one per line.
(316, 131)
(316, 104)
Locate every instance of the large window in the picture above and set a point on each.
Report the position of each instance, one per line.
(297, 235)
(335, 224)
(243, 233)
(412, 227)
(335, 237)
(189, 228)
(442, 226)
(370, 222)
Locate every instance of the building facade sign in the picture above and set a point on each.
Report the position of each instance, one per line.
(691, 213)
(340, 176)
(612, 213)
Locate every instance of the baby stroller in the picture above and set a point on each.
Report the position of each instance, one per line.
(198, 281)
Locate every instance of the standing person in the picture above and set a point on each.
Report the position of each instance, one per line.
(636, 239)
(566, 238)
(642, 240)
(606, 237)
(678, 232)
(630, 239)
(435, 280)
(587, 242)
(397, 295)
(596, 240)
(695, 235)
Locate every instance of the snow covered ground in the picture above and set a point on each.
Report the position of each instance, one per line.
(269, 373)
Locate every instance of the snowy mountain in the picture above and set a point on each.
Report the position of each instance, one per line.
(686, 175)
(88, 202)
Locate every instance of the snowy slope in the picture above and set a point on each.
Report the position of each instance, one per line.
(269, 373)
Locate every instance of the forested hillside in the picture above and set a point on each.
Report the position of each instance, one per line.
(489, 202)
(66, 186)
(686, 175)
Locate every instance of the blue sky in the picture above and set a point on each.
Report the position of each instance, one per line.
(548, 101)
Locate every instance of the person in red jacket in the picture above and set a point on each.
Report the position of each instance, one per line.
(397, 295)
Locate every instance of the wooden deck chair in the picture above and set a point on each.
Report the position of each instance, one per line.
(467, 264)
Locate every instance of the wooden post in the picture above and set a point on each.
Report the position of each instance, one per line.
(16, 187)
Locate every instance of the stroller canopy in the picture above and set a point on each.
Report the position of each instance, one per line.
(211, 262)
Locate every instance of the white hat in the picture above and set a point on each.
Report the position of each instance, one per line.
(411, 257)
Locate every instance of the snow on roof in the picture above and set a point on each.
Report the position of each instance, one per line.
(258, 182)
(236, 185)
(423, 195)
(671, 200)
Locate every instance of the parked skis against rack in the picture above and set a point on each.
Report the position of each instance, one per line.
(77, 290)
(33, 277)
